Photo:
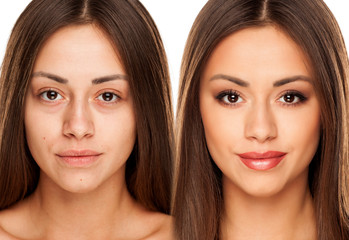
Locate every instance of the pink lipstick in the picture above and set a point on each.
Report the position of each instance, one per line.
(78, 158)
(262, 161)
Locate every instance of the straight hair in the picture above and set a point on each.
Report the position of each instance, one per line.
(198, 201)
(133, 33)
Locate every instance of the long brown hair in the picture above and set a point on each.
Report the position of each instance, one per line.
(134, 34)
(198, 200)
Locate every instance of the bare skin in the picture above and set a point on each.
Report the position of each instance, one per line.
(58, 215)
(257, 97)
(86, 133)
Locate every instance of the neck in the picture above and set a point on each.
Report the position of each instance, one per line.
(58, 211)
(288, 214)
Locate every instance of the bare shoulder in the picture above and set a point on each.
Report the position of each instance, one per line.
(13, 222)
(5, 219)
(5, 235)
(162, 227)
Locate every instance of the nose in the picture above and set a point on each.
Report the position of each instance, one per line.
(78, 121)
(260, 124)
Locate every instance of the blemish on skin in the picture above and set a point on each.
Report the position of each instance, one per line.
(44, 138)
(80, 179)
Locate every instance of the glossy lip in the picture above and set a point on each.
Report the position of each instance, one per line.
(78, 158)
(262, 161)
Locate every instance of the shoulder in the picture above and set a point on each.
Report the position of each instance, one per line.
(4, 232)
(143, 224)
(162, 227)
(6, 236)
(13, 222)
(150, 225)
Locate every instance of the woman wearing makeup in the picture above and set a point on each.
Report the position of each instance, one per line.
(86, 124)
(263, 124)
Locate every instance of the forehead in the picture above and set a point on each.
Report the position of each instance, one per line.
(86, 47)
(258, 51)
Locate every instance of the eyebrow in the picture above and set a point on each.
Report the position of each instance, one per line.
(277, 83)
(109, 78)
(51, 76)
(94, 81)
(235, 80)
(284, 81)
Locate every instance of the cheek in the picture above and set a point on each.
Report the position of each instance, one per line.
(311, 135)
(223, 129)
(39, 126)
(41, 132)
(302, 130)
(117, 132)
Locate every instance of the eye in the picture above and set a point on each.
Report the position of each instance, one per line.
(229, 97)
(51, 95)
(108, 97)
(292, 98)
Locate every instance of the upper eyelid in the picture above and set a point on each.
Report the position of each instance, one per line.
(225, 93)
(41, 91)
(40, 95)
(108, 92)
(116, 100)
(298, 93)
(294, 92)
(301, 96)
(231, 91)
(117, 93)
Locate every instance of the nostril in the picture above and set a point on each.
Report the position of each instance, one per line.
(260, 126)
(78, 126)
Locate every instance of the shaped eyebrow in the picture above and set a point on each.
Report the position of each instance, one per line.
(51, 76)
(284, 81)
(109, 78)
(95, 81)
(277, 83)
(235, 80)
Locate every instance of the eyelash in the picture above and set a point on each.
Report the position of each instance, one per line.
(296, 94)
(115, 97)
(42, 97)
(227, 93)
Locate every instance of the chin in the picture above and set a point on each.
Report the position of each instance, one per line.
(79, 185)
(264, 191)
(256, 186)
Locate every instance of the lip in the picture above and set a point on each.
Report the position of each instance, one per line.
(262, 161)
(78, 158)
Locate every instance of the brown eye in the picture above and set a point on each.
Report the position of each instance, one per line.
(108, 97)
(289, 98)
(292, 98)
(229, 97)
(51, 95)
(233, 98)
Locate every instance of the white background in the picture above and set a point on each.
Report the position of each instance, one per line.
(173, 18)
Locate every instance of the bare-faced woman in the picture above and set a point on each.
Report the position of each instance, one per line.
(86, 124)
(263, 124)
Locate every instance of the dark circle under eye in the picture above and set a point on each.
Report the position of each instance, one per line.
(232, 98)
(107, 96)
(52, 95)
(289, 98)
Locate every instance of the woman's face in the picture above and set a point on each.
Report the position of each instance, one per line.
(79, 115)
(259, 110)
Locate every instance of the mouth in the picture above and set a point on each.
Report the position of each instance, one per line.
(78, 158)
(262, 161)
